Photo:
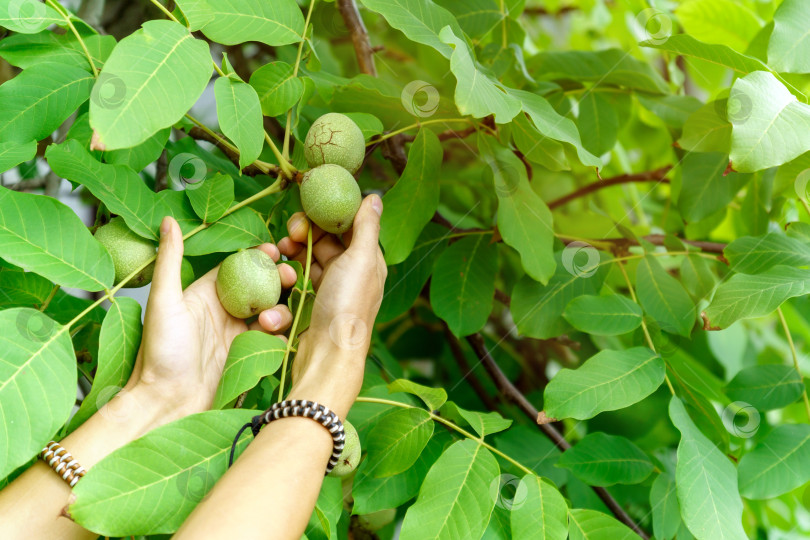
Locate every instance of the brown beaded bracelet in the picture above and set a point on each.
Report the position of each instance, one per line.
(61, 461)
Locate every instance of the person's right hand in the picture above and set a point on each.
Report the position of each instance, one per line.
(349, 282)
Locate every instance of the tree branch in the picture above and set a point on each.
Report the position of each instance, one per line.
(510, 392)
(26, 185)
(360, 39)
(469, 375)
(447, 134)
(539, 10)
(656, 239)
(251, 170)
(658, 175)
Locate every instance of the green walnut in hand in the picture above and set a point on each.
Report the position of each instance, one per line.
(128, 251)
(350, 457)
(330, 197)
(248, 282)
(334, 138)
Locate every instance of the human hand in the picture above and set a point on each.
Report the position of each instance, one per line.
(349, 281)
(187, 333)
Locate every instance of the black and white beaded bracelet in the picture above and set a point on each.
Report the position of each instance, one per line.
(302, 408)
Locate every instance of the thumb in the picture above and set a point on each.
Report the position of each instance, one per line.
(366, 228)
(166, 280)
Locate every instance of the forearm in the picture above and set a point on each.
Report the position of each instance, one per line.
(32, 505)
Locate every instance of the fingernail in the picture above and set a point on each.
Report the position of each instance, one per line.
(377, 204)
(274, 318)
(165, 225)
(296, 222)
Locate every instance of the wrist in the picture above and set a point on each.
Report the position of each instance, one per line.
(332, 377)
(147, 406)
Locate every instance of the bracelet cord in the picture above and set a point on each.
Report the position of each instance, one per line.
(62, 462)
(300, 408)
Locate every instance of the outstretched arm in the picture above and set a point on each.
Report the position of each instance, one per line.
(271, 489)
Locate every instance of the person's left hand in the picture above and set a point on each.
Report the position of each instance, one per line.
(187, 334)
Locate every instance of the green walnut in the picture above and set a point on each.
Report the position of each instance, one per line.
(334, 138)
(377, 520)
(330, 197)
(186, 273)
(248, 282)
(128, 251)
(350, 457)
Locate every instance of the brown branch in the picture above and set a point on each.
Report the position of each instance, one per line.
(469, 375)
(362, 46)
(621, 244)
(251, 170)
(446, 135)
(510, 392)
(539, 10)
(26, 185)
(658, 175)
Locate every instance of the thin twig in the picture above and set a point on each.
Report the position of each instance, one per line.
(470, 377)
(362, 45)
(658, 175)
(251, 170)
(789, 337)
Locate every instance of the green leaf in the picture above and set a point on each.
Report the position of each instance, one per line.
(138, 157)
(477, 94)
(524, 220)
(13, 153)
(369, 124)
(117, 348)
(433, 397)
(198, 13)
(275, 23)
(211, 197)
(395, 443)
(719, 21)
(769, 123)
(373, 494)
(117, 186)
(606, 67)
(542, 514)
(766, 387)
(664, 298)
(451, 503)
(757, 254)
(707, 130)
(790, 38)
(37, 384)
(412, 201)
(241, 229)
(482, 423)
(629, 375)
(152, 484)
(551, 124)
(744, 297)
(151, 79)
(39, 99)
(706, 482)
(672, 110)
(240, 117)
(706, 188)
(603, 460)
(43, 235)
(28, 17)
(277, 87)
(252, 355)
(26, 50)
(463, 283)
(537, 309)
(586, 524)
(420, 21)
(528, 445)
(612, 315)
(19, 288)
(598, 123)
(536, 147)
(686, 45)
(778, 464)
(666, 512)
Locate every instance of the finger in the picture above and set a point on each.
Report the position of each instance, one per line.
(298, 225)
(166, 286)
(327, 249)
(271, 250)
(366, 233)
(275, 319)
(289, 247)
(315, 274)
(288, 275)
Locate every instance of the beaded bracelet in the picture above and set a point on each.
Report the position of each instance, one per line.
(62, 462)
(304, 409)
